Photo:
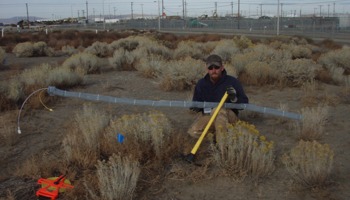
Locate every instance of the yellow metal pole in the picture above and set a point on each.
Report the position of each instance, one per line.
(200, 139)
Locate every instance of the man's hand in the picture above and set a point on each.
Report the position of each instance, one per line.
(232, 94)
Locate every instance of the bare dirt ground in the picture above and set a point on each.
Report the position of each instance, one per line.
(42, 134)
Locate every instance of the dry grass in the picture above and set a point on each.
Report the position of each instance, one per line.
(310, 163)
(82, 144)
(241, 150)
(313, 122)
(8, 136)
(29, 169)
(118, 177)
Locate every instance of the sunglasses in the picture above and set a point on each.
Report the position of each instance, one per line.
(213, 66)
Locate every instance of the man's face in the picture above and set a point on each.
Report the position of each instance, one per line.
(215, 72)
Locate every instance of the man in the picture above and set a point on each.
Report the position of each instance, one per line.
(212, 88)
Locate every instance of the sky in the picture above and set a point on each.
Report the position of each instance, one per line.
(57, 9)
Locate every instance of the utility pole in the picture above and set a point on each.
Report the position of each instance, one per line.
(320, 10)
(328, 10)
(103, 13)
(158, 16)
(260, 10)
(238, 15)
(132, 14)
(142, 10)
(163, 13)
(27, 16)
(87, 13)
(333, 9)
(278, 17)
(114, 12)
(216, 9)
(185, 9)
(183, 13)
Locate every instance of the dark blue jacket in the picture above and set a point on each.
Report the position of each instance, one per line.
(207, 91)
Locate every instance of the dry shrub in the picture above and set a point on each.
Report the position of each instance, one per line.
(242, 150)
(153, 47)
(243, 42)
(118, 177)
(64, 77)
(260, 73)
(330, 44)
(100, 49)
(310, 163)
(85, 62)
(231, 70)
(2, 56)
(40, 77)
(226, 49)
(24, 49)
(313, 122)
(207, 47)
(82, 145)
(182, 74)
(69, 50)
(187, 48)
(324, 76)
(259, 53)
(151, 66)
(28, 49)
(337, 62)
(123, 60)
(129, 44)
(41, 49)
(144, 134)
(296, 72)
(298, 51)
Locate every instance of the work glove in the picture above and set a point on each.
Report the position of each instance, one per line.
(232, 94)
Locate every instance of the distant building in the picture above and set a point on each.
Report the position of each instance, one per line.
(111, 21)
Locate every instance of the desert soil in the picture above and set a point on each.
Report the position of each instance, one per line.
(42, 134)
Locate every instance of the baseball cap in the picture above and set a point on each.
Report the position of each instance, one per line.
(213, 60)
